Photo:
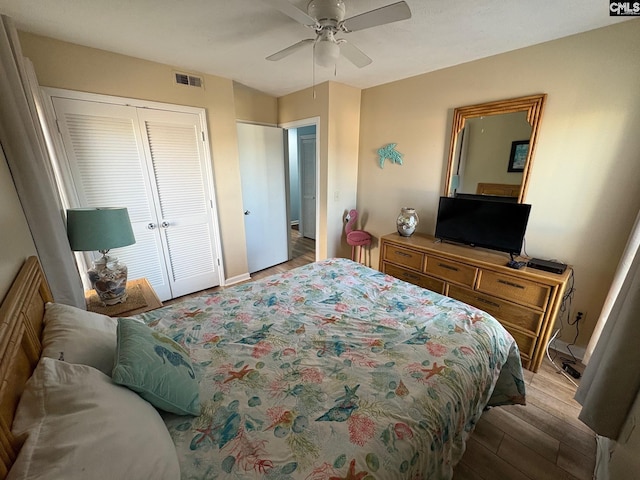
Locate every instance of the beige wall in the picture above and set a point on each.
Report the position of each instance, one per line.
(584, 183)
(302, 105)
(254, 106)
(16, 244)
(338, 107)
(343, 135)
(73, 67)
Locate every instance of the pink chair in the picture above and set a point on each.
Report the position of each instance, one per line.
(356, 238)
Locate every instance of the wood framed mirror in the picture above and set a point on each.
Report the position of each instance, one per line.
(492, 147)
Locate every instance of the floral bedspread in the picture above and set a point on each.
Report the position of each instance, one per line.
(335, 371)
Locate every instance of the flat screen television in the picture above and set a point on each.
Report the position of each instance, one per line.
(483, 223)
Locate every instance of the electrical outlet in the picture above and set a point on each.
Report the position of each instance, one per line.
(578, 316)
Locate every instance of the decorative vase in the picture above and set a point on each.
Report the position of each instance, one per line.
(109, 279)
(407, 221)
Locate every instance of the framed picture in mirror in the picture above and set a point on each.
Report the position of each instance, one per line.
(518, 156)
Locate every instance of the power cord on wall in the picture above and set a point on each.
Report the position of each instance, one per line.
(524, 247)
(560, 370)
(565, 311)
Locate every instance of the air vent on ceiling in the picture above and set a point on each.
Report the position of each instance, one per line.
(190, 80)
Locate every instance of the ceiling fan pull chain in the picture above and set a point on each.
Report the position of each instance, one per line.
(313, 71)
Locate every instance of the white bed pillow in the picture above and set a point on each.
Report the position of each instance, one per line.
(78, 336)
(82, 426)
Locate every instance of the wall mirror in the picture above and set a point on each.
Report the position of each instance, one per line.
(492, 147)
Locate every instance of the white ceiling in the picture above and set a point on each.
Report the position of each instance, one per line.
(231, 38)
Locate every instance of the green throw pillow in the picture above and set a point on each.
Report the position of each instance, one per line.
(155, 367)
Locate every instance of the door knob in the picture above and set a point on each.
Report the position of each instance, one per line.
(164, 224)
(247, 212)
(151, 226)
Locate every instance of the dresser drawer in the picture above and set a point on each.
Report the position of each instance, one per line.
(515, 289)
(403, 256)
(509, 314)
(451, 271)
(423, 281)
(526, 343)
(524, 302)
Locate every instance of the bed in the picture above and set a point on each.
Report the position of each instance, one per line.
(329, 371)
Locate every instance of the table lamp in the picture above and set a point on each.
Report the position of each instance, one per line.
(102, 229)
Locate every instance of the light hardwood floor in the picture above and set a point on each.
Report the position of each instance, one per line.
(303, 251)
(541, 441)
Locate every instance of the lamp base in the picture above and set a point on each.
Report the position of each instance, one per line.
(109, 279)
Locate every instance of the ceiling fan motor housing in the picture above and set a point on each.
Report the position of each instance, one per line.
(328, 13)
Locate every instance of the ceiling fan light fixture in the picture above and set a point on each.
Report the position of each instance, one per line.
(326, 53)
(327, 19)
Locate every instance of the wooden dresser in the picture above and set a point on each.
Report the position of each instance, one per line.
(525, 301)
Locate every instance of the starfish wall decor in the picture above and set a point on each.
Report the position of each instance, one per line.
(389, 152)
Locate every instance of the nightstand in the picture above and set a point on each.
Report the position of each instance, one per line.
(141, 298)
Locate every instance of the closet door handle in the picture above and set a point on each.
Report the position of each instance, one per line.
(151, 226)
(247, 212)
(164, 224)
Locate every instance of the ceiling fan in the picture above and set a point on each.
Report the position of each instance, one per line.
(326, 18)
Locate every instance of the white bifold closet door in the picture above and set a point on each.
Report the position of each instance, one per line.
(154, 163)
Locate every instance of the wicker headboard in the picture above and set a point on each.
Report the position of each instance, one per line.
(501, 189)
(21, 321)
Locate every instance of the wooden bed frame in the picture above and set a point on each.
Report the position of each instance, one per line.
(502, 189)
(21, 322)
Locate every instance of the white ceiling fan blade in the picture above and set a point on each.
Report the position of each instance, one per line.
(354, 54)
(291, 11)
(289, 50)
(380, 16)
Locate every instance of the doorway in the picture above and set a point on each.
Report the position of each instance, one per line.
(302, 188)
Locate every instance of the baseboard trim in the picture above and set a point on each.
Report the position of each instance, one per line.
(562, 347)
(237, 279)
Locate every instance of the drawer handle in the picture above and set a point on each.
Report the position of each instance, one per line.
(411, 276)
(403, 254)
(511, 284)
(488, 302)
(448, 267)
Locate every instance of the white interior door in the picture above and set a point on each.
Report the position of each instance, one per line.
(262, 164)
(307, 156)
(175, 147)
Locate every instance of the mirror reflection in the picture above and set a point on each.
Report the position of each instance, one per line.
(492, 148)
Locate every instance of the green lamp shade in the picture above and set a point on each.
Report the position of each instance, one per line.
(99, 228)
